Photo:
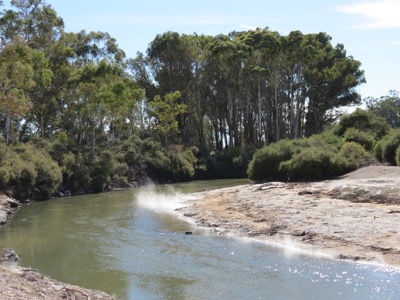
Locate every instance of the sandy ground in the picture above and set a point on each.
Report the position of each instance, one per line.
(356, 217)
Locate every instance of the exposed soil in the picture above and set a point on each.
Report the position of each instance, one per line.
(355, 217)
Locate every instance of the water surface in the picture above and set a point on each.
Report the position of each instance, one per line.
(119, 243)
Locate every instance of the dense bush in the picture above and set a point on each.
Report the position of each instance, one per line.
(398, 157)
(385, 150)
(266, 161)
(225, 164)
(319, 157)
(365, 139)
(183, 162)
(364, 121)
(29, 172)
(101, 171)
(148, 159)
(353, 156)
(314, 163)
(76, 173)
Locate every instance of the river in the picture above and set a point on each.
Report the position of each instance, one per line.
(128, 245)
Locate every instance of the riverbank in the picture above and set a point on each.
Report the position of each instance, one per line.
(28, 284)
(355, 217)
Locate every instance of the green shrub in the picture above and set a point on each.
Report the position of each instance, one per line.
(353, 156)
(101, 171)
(326, 138)
(398, 157)
(378, 149)
(232, 163)
(76, 173)
(266, 161)
(364, 121)
(314, 163)
(119, 177)
(45, 176)
(365, 139)
(390, 145)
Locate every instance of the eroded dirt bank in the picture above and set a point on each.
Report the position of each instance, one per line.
(356, 217)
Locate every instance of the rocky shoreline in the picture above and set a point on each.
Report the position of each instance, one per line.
(21, 283)
(356, 217)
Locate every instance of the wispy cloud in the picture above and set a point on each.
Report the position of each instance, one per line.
(381, 14)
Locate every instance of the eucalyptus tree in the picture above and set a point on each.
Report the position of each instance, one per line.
(175, 64)
(100, 96)
(387, 107)
(331, 80)
(225, 64)
(16, 77)
(36, 24)
(266, 72)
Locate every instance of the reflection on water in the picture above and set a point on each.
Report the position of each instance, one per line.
(110, 242)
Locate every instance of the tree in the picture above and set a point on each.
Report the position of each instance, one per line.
(387, 107)
(165, 112)
(16, 78)
(365, 121)
(331, 80)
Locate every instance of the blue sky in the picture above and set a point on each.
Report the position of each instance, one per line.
(369, 29)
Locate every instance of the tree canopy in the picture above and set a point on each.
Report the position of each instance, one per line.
(192, 102)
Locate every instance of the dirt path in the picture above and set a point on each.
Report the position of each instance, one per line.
(356, 217)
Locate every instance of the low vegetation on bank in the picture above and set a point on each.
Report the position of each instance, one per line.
(360, 139)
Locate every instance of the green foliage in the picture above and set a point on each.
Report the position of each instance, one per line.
(385, 150)
(101, 171)
(398, 157)
(149, 159)
(29, 172)
(76, 173)
(387, 107)
(353, 156)
(266, 161)
(363, 138)
(166, 112)
(318, 157)
(314, 163)
(363, 121)
(225, 164)
(105, 123)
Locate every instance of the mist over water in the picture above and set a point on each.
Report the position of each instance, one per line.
(125, 244)
(161, 201)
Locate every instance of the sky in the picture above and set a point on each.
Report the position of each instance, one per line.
(368, 29)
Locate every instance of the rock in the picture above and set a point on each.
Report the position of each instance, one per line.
(8, 255)
(3, 217)
(298, 232)
(13, 203)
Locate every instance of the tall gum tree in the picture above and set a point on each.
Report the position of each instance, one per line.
(16, 77)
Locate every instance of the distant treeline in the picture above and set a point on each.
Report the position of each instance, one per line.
(77, 115)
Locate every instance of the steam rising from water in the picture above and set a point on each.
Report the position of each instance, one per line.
(161, 200)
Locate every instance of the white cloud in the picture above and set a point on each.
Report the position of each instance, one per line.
(378, 14)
